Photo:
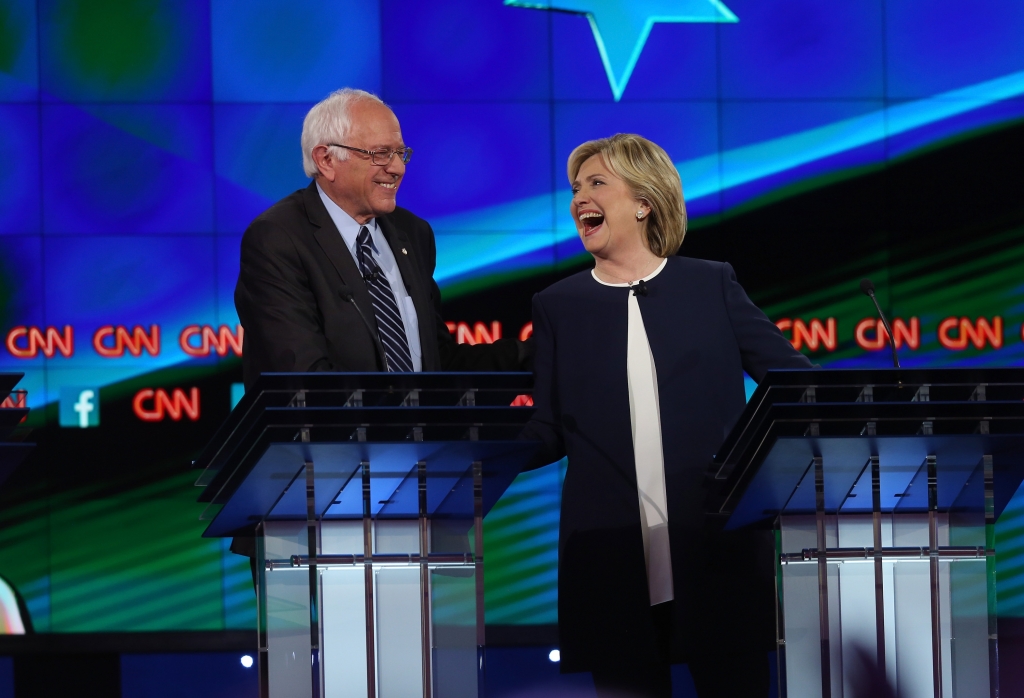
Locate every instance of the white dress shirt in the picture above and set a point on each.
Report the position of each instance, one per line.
(385, 259)
(645, 420)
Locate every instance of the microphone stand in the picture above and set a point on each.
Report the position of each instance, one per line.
(346, 295)
(868, 289)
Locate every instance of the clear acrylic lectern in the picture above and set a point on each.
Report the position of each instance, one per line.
(883, 487)
(367, 493)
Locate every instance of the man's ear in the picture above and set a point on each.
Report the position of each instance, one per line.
(325, 162)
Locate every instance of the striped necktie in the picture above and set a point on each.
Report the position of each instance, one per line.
(389, 320)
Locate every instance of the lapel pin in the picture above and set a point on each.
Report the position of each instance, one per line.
(404, 251)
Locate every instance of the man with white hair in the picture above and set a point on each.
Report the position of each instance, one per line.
(336, 277)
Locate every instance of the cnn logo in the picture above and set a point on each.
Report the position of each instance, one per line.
(156, 405)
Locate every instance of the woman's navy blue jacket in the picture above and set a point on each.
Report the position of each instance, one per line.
(704, 333)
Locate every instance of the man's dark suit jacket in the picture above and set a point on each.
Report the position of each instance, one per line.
(295, 266)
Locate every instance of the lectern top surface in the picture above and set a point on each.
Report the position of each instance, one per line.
(339, 381)
(11, 417)
(276, 487)
(845, 416)
(7, 382)
(892, 376)
(784, 482)
(387, 405)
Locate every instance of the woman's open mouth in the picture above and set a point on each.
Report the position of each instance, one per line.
(591, 220)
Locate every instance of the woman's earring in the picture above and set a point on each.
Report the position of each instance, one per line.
(639, 215)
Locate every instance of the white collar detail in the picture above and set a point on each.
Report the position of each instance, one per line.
(593, 272)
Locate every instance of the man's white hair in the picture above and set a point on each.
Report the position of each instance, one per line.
(329, 122)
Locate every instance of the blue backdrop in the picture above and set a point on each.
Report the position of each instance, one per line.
(138, 138)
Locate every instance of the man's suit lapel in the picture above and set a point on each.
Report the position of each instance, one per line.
(333, 245)
(418, 289)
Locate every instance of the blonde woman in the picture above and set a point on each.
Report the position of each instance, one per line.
(639, 377)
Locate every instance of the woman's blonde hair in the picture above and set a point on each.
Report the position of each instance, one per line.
(648, 171)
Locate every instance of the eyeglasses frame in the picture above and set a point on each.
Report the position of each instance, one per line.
(374, 153)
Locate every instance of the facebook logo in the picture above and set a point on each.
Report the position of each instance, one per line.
(79, 407)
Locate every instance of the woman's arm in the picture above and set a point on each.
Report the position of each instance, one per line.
(545, 425)
(762, 345)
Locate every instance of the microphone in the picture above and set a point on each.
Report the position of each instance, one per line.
(346, 295)
(639, 289)
(868, 289)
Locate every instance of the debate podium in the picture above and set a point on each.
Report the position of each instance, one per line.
(13, 411)
(883, 487)
(367, 494)
(14, 617)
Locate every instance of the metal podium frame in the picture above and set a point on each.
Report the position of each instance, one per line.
(938, 453)
(370, 475)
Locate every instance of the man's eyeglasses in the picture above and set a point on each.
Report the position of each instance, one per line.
(381, 156)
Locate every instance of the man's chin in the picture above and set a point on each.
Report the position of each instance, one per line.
(381, 208)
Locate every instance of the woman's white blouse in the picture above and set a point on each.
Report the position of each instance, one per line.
(645, 419)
